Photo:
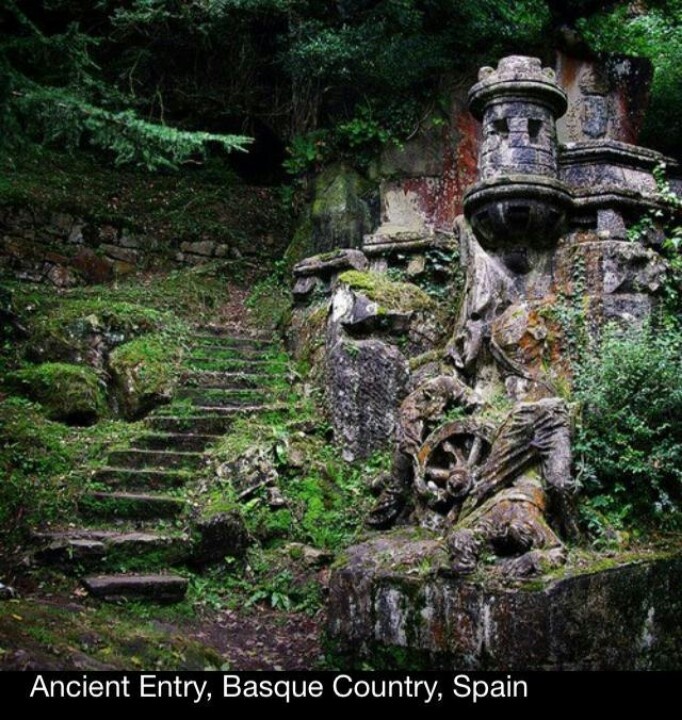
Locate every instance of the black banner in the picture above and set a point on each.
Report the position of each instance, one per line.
(348, 689)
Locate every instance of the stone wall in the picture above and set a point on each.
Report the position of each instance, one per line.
(422, 183)
(67, 250)
(607, 99)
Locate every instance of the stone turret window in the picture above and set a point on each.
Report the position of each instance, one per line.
(534, 127)
(501, 126)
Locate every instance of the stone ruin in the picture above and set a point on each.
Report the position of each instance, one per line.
(472, 400)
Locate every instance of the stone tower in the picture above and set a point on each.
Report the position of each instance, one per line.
(519, 197)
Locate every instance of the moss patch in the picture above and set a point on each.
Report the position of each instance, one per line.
(69, 393)
(64, 331)
(301, 245)
(85, 638)
(378, 287)
(146, 372)
(38, 460)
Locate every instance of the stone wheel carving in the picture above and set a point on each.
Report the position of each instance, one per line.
(447, 461)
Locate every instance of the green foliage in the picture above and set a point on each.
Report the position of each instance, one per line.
(307, 152)
(629, 440)
(652, 30)
(53, 92)
(70, 393)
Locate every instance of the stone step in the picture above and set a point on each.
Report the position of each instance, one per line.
(141, 479)
(202, 346)
(225, 335)
(156, 588)
(224, 398)
(173, 441)
(247, 365)
(205, 423)
(228, 351)
(229, 380)
(158, 459)
(129, 505)
(234, 410)
(89, 547)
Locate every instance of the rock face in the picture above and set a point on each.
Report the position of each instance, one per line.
(341, 214)
(622, 618)
(365, 381)
(605, 99)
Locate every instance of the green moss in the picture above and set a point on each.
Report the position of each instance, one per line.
(69, 393)
(38, 460)
(270, 303)
(121, 637)
(301, 245)
(146, 371)
(425, 359)
(390, 295)
(64, 329)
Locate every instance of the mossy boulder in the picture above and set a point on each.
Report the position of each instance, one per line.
(69, 393)
(145, 373)
(85, 330)
(339, 216)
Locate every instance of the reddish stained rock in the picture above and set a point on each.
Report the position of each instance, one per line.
(92, 268)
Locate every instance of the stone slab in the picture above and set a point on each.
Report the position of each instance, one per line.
(157, 588)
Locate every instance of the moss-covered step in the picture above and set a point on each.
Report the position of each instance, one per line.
(156, 588)
(224, 335)
(238, 410)
(217, 410)
(141, 478)
(109, 549)
(241, 364)
(182, 442)
(208, 423)
(230, 380)
(159, 459)
(229, 352)
(129, 505)
(226, 397)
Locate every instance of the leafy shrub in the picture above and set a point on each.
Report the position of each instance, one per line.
(629, 440)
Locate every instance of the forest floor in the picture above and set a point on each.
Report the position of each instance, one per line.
(66, 631)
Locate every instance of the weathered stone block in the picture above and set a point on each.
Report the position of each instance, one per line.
(392, 597)
(203, 247)
(118, 253)
(366, 381)
(341, 213)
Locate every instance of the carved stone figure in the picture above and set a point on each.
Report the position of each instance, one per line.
(489, 480)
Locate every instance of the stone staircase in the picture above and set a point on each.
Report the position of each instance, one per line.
(134, 515)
